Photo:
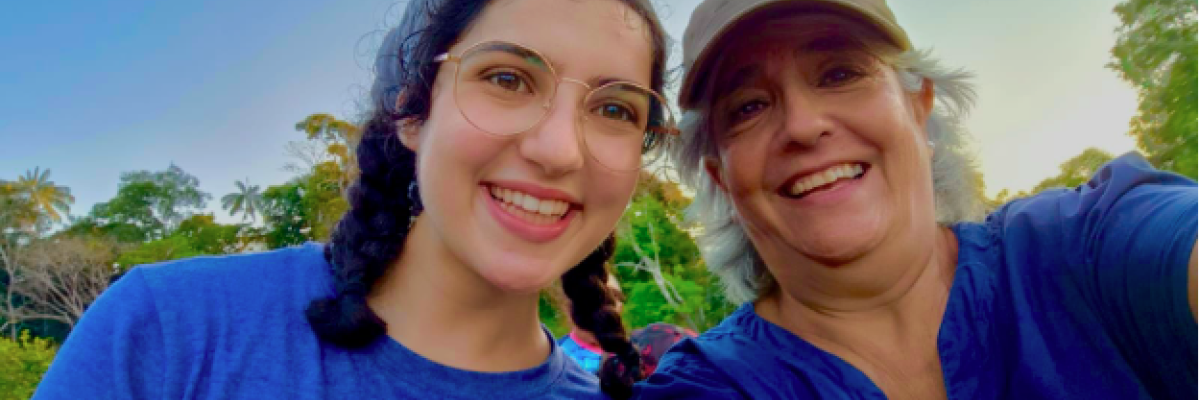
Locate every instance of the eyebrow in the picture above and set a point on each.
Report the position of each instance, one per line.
(829, 43)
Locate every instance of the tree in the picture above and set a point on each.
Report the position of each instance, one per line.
(340, 139)
(60, 277)
(148, 206)
(284, 214)
(23, 361)
(1156, 52)
(1072, 173)
(659, 265)
(49, 199)
(246, 200)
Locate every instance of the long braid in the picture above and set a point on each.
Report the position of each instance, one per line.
(371, 235)
(368, 238)
(594, 308)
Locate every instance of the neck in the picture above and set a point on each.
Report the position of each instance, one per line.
(901, 288)
(440, 308)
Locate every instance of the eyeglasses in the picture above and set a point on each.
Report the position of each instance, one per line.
(504, 89)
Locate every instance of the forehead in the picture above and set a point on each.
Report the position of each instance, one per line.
(763, 37)
(579, 37)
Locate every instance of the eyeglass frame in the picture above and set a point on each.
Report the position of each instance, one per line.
(667, 131)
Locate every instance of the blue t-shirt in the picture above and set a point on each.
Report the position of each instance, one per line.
(234, 328)
(1070, 294)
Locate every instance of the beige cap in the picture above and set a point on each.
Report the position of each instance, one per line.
(713, 18)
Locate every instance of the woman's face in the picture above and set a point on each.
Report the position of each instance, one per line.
(821, 150)
(478, 188)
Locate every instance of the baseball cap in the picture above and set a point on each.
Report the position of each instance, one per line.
(714, 18)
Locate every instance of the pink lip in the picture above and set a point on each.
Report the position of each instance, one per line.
(540, 192)
(521, 228)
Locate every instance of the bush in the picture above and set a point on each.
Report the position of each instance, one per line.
(22, 364)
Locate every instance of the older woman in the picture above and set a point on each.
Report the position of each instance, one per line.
(837, 202)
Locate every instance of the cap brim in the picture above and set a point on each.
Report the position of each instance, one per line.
(700, 68)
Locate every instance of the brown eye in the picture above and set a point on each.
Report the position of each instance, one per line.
(747, 110)
(840, 76)
(509, 81)
(616, 112)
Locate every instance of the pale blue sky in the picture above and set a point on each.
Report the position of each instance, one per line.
(91, 90)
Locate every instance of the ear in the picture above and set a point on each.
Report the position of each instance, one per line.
(712, 166)
(923, 103)
(409, 130)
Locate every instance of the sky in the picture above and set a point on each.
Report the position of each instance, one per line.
(91, 90)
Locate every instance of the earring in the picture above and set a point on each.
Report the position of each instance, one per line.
(414, 202)
(930, 142)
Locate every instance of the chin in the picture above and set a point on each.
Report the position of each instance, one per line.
(840, 242)
(525, 276)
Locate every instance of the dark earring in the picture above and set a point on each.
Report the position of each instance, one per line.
(414, 202)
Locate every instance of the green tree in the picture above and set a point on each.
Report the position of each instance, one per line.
(206, 236)
(1156, 52)
(148, 206)
(1071, 173)
(247, 200)
(165, 249)
(23, 362)
(287, 222)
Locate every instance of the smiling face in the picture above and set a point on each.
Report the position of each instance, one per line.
(520, 210)
(821, 150)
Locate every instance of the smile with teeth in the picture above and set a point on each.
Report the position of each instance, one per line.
(529, 208)
(830, 175)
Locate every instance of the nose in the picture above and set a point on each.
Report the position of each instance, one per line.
(805, 117)
(554, 144)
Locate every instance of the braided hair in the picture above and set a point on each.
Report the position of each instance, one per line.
(371, 235)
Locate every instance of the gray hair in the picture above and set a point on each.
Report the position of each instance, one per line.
(722, 240)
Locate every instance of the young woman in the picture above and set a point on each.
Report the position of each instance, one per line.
(502, 149)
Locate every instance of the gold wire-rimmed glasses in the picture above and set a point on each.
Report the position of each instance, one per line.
(505, 88)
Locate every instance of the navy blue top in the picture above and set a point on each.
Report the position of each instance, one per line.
(1069, 294)
(234, 328)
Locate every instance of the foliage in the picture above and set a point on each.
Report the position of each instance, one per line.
(42, 194)
(1074, 172)
(339, 138)
(1156, 52)
(285, 216)
(659, 265)
(148, 206)
(22, 363)
(247, 200)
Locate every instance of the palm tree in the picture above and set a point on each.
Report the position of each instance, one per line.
(43, 195)
(247, 200)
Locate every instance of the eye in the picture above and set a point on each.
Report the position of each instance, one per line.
(747, 110)
(840, 76)
(616, 112)
(508, 81)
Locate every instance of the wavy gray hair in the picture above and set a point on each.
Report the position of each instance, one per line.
(723, 242)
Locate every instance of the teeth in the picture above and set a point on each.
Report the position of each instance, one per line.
(543, 210)
(821, 178)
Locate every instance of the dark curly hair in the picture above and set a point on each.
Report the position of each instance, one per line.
(371, 235)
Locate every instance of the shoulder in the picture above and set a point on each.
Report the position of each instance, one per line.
(289, 277)
(575, 382)
(1125, 182)
(738, 358)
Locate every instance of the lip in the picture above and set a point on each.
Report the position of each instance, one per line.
(786, 188)
(839, 193)
(521, 228)
(535, 190)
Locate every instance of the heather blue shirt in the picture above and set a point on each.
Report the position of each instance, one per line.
(1070, 294)
(234, 328)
